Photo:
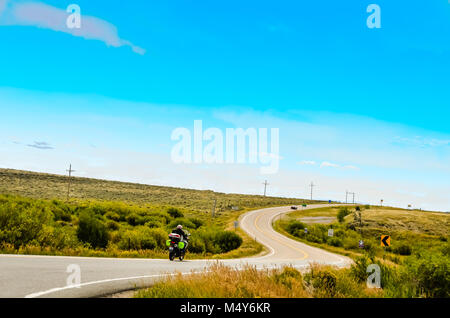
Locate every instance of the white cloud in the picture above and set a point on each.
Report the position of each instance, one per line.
(40, 145)
(48, 17)
(307, 162)
(349, 167)
(421, 141)
(328, 164)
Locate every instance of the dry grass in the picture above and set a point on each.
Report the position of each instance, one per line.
(225, 282)
(327, 212)
(220, 281)
(50, 186)
(392, 219)
(431, 223)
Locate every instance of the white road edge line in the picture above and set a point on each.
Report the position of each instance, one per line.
(57, 289)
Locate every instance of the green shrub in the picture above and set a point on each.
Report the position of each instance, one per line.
(403, 249)
(446, 250)
(175, 213)
(61, 214)
(22, 223)
(113, 216)
(325, 283)
(196, 245)
(359, 269)
(93, 231)
(112, 225)
(227, 241)
(335, 241)
(187, 224)
(132, 219)
(28, 222)
(197, 222)
(432, 274)
(139, 238)
(395, 282)
(162, 217)
(289, 277)
(343, 212)
(153, 224)
(294, 227)
(159, 235)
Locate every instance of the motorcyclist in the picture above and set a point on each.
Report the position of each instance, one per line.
(184, 236)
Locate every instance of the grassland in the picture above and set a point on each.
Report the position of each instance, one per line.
(417, 264)
(225, 282)
(410, 231)
(50, 186)
(128, 211)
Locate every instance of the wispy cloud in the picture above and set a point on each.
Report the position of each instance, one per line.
(329, 164)
(420, 141)
(349, 167)
(44, 16)
(307, 162)
(41, 145)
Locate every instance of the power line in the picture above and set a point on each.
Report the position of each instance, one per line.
(346, 196)
(68, 185)
(265, 186)
(312, 185)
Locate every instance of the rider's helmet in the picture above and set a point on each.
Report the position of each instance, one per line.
(179, 226)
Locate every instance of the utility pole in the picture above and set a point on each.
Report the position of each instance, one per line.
(346, 195)
(68, 185)
(353, 197)
(265, 186)
(312, 185)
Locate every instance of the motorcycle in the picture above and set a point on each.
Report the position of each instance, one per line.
(177, 248)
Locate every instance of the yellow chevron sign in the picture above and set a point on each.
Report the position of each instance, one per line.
(385, 240)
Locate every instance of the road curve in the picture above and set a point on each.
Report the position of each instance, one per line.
(46, 276)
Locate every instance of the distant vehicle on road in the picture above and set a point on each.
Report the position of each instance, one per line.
(293, 207)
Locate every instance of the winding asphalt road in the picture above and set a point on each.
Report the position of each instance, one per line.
(46, 276)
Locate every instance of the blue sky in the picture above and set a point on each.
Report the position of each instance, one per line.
(376, 100)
